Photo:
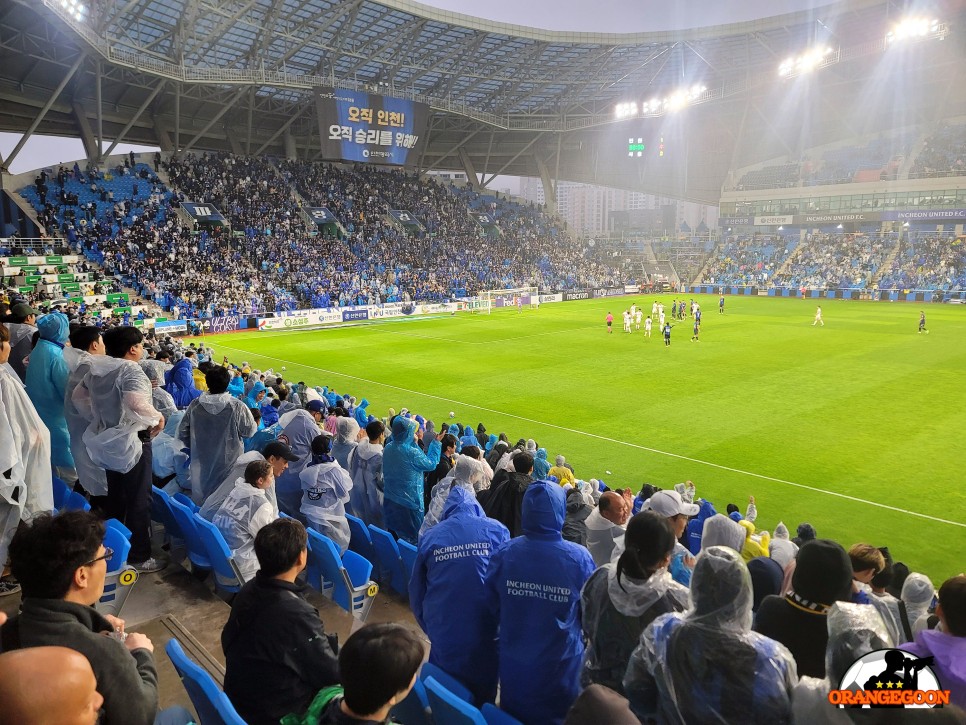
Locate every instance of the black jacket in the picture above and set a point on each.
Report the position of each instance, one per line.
(804, 632)
(504, 499)
(277, 656)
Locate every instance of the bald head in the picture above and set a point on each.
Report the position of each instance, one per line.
(47, 686)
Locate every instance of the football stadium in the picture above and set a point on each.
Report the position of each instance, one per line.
(366, 361)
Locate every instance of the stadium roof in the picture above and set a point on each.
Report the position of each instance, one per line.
(237, 74)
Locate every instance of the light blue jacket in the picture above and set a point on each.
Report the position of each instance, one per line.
(403, 465)
(47, 384)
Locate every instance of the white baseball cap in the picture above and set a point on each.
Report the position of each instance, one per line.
(669, 503)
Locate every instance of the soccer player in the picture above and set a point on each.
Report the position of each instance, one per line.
(654, 309)
(721, 305)
(637, 319)
(818, 317)
(519, 303)
(660, 316)
(647, 327)
(667, 335)
(674, 309)
(697, 328)
(922, 322)
(697, 314)
(610, 324)
(627, 321)
(633, 310)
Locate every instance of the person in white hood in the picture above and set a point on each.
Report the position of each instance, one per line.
(85, 343)
(605, 525)
(244, 512)
(625, 595)
(365, 468)
(213, 427)
(325, 492)
(467, 473)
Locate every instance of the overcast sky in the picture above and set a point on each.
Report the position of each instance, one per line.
(623, 16)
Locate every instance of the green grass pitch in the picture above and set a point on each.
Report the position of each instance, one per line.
(857, 426)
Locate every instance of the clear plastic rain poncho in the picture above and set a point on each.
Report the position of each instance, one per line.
(214, 501)
(169, 456)
(918, 593)
(719, 530)
(467, 474)
(115, 395)
(214, 427)
(325, 492)
(854, 630)
(706, 665)
(365, 467)
(782, 549)
(346, 439)
(241, 515)
(161, 398)
(299, 429)
(91, 476)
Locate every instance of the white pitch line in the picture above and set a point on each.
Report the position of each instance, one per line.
(609, 440)
(487, 342)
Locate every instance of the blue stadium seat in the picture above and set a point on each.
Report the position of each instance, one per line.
(211, 704)
(407, 552)
(448, 709)
(120, 577)
(414, 710)
(181, 498)
(446, 680)
(228, 578)
(162, 513)
(350, 577)
(196, 549)
(495, 716)
(76, 502)
(361, 541)
(390, 561)
(61, 492)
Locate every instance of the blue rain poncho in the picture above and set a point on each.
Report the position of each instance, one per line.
(160, 398)
(91, 476)
(365, 467)
(269, 413)
(346, 439)
(240, 517)
(47, 382)
(236, 386)
(533, 583)
(541, 466)
(403, 465)
(251, 399)
(695, 529)
(180, 383)
(299, 431)
(706, 665)
(213, 428)
(447, 579)
(325, 492)
(361, 414)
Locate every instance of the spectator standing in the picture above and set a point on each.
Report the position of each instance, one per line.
(115, 396)
(46, 383)
(403, 466)
(299, 431)
(213, 428)
(277, 656)
(625, 595)
(504, 500)
(365, 468)
(85, 343)
(180, 383)
(21, 325)
(533, 584)
(448, 576)
(325, 491)
(562, 472)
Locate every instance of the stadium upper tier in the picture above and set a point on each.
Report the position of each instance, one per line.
(274, 258)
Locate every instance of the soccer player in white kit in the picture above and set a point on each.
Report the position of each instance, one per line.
(637, 319)
(647, 327)
(818, 317)
(654, 309)
(627, 321)
(660, 316)
(633, 310)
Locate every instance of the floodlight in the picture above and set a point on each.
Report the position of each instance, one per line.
(910, 28)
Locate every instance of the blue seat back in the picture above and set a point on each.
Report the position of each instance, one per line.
(360, 541)
(327, 567)
(414, 710)
(76, 502)
(226, 575)
(161, 512)
(448, 709)
(495, 716)
(390, 561)
(211, 704)
(115, 538)
(444, 678)
(197, 551)
(407, 552)
(61, 492)
(192, 506)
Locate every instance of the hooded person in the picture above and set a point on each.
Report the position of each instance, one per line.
(503, 501)
(468, 438)
(720, 530)
(21, 327)
(947, 643)
(541, 466)
(488, 445)
(325, 492)
(78, 358)
(854, 630)
(695, 528)
(917, 596)
(365, 468)
(766, 579)
(254, 397)
(160, 398)
(706, 665)
(346, 439)
(625, 595)
(237, 385)
(466, 474)
(533, 586)
(403, 466)
(179, 381)
(170, 459)
(26, 483)
(244, 512)
(448, 577)
(755, 544)
(214, 428)
(46, 385)
(823, 576)
(361, 413)
(561, 472)
(481, 437)
(575, 524)
(495, 453)
(806, 533)
(269, 412)
(299, 432)
(782, 549)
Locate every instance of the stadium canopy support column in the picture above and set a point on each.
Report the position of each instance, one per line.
(43, 111)
(285, 126)
(549, 187)
(515, 157)
(100, 108)
(136, 116)
(91, 147)
(224, 109)
(291, 152)
(470, 170)
(177, 119)
(449, 153)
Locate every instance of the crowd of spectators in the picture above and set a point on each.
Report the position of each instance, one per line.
(750, 261)
(928, 263)
(837, 261)
(944, 153)
(572, 596)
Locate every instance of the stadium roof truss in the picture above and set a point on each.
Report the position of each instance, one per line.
(238, 74)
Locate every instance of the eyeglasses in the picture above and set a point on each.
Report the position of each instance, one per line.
(106, 556)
